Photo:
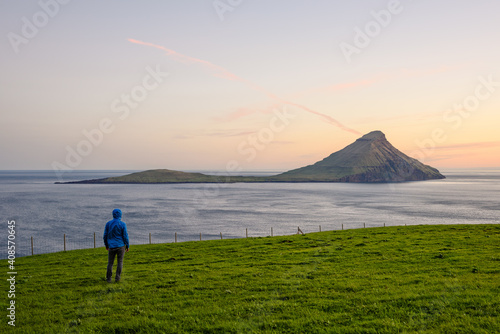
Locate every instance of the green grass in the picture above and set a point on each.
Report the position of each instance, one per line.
(415, 279)
(172, 176)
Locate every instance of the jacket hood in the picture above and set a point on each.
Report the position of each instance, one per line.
(117, 213)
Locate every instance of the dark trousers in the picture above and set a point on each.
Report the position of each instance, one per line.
(119, 253)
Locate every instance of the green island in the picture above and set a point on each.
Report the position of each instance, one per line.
(407, 279)
(370, 159)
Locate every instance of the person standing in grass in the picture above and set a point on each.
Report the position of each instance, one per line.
(116, 242)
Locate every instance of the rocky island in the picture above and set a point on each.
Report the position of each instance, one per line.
(370, 159)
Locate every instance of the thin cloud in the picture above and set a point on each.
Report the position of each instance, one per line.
(376, 79)
(229, 134)
(470, 146)
(442, 153)
(221, 72)
(382, 77)
(221, 134)
(244, 111)
(183, 136)
(343, 86)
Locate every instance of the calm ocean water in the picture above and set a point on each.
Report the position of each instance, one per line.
(46, 211)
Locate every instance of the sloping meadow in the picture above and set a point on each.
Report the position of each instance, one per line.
(425, 279)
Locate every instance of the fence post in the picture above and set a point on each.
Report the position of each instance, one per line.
(246, 231)
(220, 235)
(342, 226)
(320, 228)
(64, 241)
(150, 238)
(200, 236)
(31, 245)
(175, 236)
(384, 224)
(94, 239)
(364, 225)
(271, 231)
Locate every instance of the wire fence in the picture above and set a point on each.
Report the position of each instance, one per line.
(34, 246)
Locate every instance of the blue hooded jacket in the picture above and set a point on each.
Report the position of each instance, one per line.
(115, 232)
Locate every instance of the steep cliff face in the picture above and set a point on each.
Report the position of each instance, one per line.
(371, 158)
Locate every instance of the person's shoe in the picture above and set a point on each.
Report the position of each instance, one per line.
(108, 280)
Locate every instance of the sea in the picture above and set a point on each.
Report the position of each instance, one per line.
(52, 217)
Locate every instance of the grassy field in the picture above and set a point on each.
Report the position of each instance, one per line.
(418, 279)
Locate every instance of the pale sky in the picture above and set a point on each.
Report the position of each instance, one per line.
(249, 84)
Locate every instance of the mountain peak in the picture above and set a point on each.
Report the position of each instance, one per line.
(374, 135)
(370, 158)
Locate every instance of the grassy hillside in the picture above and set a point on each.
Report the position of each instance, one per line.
(172, 176)
(425, 279)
